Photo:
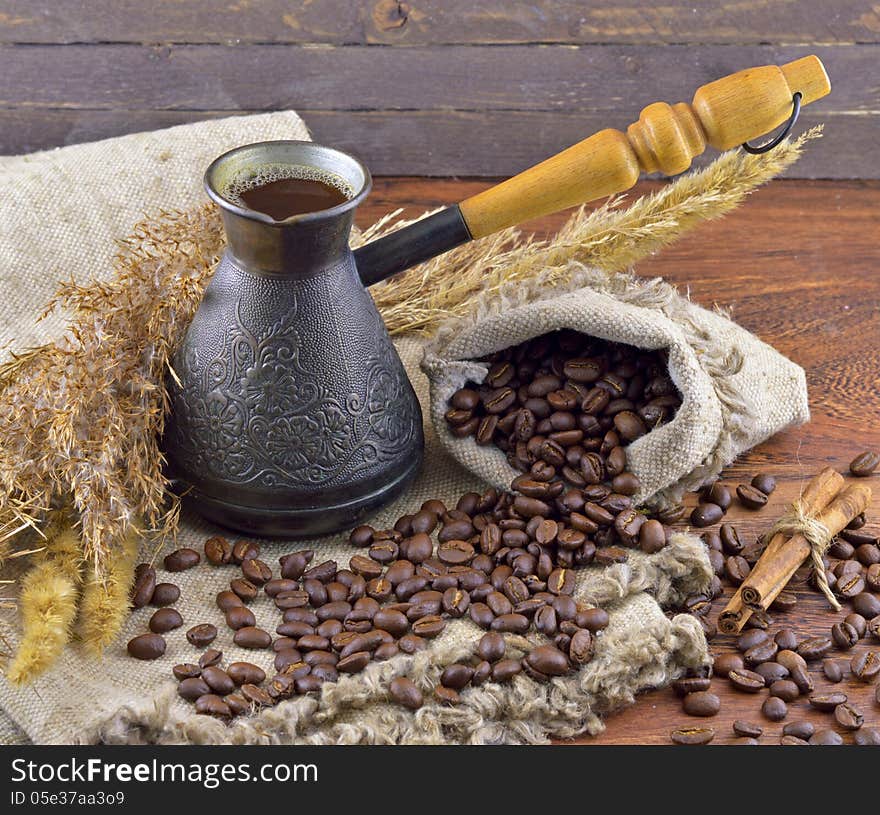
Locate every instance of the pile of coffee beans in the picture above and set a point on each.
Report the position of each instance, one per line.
(563, 406)
(495, 560)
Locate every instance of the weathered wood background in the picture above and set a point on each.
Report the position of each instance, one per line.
(450, 87)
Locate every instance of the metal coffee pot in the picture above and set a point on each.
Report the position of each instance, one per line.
(291, 413)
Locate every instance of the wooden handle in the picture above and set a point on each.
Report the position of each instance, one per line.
(666, 138)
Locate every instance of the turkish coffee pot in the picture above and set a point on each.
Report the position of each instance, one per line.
(291, 412)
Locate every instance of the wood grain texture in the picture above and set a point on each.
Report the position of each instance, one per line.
(439, 143)
(418, 22)
(797, 265)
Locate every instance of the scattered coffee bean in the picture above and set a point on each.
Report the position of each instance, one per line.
(867, 737)
(832, 670)
(144, 585)
(165, 620)
(748, 729)
(692, 735)
(702, 703)
(186, 670)
(256, 572)
(785, 689)
(239, 617)
(192, 688)
(404, 691)
(800, 730)
(243, 550)
(202, 635)
(774, 709)
(244, 589)
(165, 594)
(691, 684)
(865, 666)
(212, 705)
(826, 702)
(182, 559)
(848, 717)
(745, 680)
(218, 551)
(826, 738)
(146, 646)
(706, 514)
(751, 497)
(725, 663)
(211, 657)
(844, 635)
(864, 464)
(765, 483)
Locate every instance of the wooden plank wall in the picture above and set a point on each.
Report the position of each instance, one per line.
(442, 87)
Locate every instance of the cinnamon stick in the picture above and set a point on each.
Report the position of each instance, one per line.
(763, 590)
(735, 615)
(816, 495)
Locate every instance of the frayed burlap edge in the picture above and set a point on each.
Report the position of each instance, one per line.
(356, 710)
(647, 293)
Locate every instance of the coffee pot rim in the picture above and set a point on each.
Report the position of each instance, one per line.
(292, 151)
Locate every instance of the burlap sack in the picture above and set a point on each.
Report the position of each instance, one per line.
(736, 390)
(98, 191)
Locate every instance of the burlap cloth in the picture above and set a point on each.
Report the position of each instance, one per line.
(59, 215)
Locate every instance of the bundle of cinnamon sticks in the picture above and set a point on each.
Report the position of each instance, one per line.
(826, 499)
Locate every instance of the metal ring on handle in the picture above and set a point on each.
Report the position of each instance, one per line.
(795, 112)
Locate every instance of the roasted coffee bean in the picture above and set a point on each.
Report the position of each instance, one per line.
(289, 661)
(706, 514)
(826, 737)
(481, 614)
(866, 604)
(336, 610)
(626, 483)
(868, 554)
(354, 662)
(765, 483)
(243, 673)
(826, 702)
(857, 537)
(701, 703)
(748, 729)
(256, 571)
(256, 695)
(717, 493)
(832, 670)
(672, 514)
(505, 669)
(850, 584)
(864, 464)
(144, 585)
(548, 660)
(786, 639)
(736, 569)
(652, 537)
(580, 647)
(745, 680)
(865, 666)
(691, 684)
(491, 646)
(252, 637)
(244, 549)
(429, 627)
(182, 559)
(725, 663)
(218, 680)
(146, 646)
(240, 617)
(165, 620)
(774, 709)
(785, 601)
(792, 741)
(510, 623)
(499, 603)
(193, 688)
(771, 671)
(291, 600)
(858, 622)
(751, 638)
(593, 619)
(280, 585)
(245, 590)
(874, 627)
(227, 600)
(294, 564)
(751, 497)
(456, 676)
(730, 540)
(844, 636)
(186, 670)
(165, 594)
(202, 635)
(867, 737)
(324, 572)
(692, 735)
(404, 692)
(560, 581)
(785, 689)
(848, 716)
(218, 551)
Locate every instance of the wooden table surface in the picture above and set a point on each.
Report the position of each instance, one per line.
(798, 265)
